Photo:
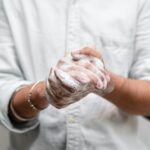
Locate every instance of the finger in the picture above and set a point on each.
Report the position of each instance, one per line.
(52, 78)
(53, 85)
(78, 71)
(96, 66)
(80, 77)
(88, 51)
(66, 80)
(93, 64)
(76, 56)
(101, 70)
(65, 60)
(56, 86)
(97, 62)
(90, 66)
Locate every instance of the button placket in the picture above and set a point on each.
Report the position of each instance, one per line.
(73, 112)
(73, 29)
(73, 128)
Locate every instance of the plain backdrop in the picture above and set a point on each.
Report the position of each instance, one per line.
(144, 134)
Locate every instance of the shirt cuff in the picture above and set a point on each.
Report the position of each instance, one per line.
(4, 118)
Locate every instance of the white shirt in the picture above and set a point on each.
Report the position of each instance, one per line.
(34, 34)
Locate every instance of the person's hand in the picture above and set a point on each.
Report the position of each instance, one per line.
(68, 83)
(92, 60)
(75, 76)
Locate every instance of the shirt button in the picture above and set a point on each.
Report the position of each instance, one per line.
(71, 120)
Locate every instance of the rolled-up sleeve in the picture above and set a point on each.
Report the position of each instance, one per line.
(141, 65)
(11, 76)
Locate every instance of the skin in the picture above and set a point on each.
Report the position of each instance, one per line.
(124, 95)
(74, 77)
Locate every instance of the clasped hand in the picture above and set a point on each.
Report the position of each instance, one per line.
(75, 76)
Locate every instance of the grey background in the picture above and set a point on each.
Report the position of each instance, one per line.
(144, 133)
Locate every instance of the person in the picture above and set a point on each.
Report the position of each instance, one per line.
(74, 74)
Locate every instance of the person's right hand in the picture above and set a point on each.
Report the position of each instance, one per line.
(69, 86)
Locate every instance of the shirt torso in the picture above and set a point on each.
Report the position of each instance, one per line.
(43, 31)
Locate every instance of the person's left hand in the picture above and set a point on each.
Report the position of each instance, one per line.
(93, 61)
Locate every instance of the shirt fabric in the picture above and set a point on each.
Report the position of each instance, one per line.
(34, 34)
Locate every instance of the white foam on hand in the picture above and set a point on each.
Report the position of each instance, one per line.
(75, 76)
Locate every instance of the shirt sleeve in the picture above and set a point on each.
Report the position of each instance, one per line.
(11, 76)
(141, 65)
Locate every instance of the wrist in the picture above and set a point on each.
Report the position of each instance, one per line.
(111, 83)
(17, 108)
(38, 96)
(27, 102)
(117, 83)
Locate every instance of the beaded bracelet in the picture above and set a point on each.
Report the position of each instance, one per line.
(30, 97)
(18, 117)
(13, 111)
(15, 114)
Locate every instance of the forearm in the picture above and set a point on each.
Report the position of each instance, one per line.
(21, 105)
(132, 96)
